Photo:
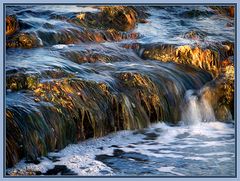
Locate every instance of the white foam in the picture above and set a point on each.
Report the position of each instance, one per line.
(196, 158)
(169, 170)
(196, 109)
(81, 157)
(84, 165)
(43, 166)
(60, 46)
(217, 153)
(69, 8)
(224, 159)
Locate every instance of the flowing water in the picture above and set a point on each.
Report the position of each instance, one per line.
(69, 82)
(203, 149)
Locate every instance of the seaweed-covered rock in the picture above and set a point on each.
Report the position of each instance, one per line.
(205, 58)
(23, 40)
(53, 113)
(224, 10)
(220, 94)
(12, 25)
(120, 18)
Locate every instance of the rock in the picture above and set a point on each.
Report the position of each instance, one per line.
(195, 35)
(120, 18)
(224, 10)
(205, 58)
(23, 40)
(223, 113)
(231, 11)
(12, 25)
(21, 81)
(220, 94)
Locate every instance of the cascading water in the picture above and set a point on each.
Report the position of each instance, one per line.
(77, 77)
(196, 109)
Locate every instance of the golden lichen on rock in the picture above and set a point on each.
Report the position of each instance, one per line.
(120, 18)
(204, 58)
(23, 40)
(12, 25)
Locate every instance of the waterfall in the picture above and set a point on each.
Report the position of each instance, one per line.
(196, 109)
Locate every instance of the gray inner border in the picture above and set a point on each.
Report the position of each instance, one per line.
(135, 4)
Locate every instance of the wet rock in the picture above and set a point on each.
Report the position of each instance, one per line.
(18, 80)
(98, 53)
(12, 25)
(67, 36)
(23, 40)
(21, 81)
(220, 94)
(224, 10)
(151, 136)
(60, 169)
(115, 146)
(196, 13)
(33, 161)
(55, 113)
(228, 47)
(28, 172)
(231, 11)
(112, 23)
(159, 52)
(13, 143)
(223, 113)
(217, 60)
(147, 96)
(195, 35)
(120, 18)
(205, 58)
(118, 152)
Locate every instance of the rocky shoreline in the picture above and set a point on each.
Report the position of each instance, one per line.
(57, 107)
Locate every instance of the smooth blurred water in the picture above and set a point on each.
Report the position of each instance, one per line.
(196, 149)
(166, 25)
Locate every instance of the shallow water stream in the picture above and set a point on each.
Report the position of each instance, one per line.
(69, 81)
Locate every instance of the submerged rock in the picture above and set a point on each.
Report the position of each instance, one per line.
(66, 36)
(195, 35)
(98, 53)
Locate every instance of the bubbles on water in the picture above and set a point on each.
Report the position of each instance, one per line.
(174, 146)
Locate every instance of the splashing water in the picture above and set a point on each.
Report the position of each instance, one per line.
(160, 150)
(196, 109)
(83, 81)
